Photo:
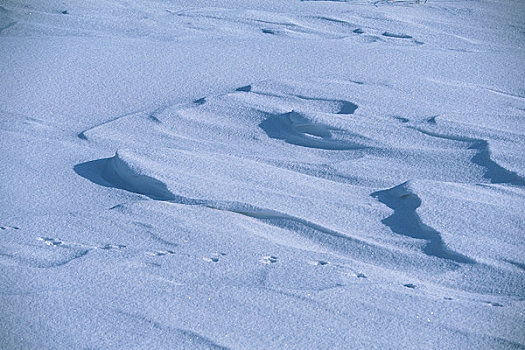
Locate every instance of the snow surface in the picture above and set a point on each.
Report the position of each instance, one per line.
(262, 174)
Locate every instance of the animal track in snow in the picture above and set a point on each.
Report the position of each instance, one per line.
(55, 242)
(51, 241)
(491, 303)
(211, 259)
(214, 257)
(9, 228)
(200, 101)
(246, 88)
(270, 259)
(356, 274)
(268, 31)
(112, 246)
(402, 119)
(398, 36)
(160, 252)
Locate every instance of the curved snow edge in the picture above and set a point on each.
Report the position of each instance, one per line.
(121, 171)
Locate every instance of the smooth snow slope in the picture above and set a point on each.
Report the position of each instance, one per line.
(262, 174)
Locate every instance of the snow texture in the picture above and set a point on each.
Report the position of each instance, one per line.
(292, 174)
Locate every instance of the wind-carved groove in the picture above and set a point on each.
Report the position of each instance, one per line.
(405, 221)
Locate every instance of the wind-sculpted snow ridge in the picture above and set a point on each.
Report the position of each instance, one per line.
(262, 174)
(494, 172)
(405, 221)
(133, 173)
(166, 22)
(128, 173)
(333, 125)
(356, 134)
(119, 173)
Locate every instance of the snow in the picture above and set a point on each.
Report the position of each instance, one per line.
(262, 174)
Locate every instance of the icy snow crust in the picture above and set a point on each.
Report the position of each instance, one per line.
(262, 174)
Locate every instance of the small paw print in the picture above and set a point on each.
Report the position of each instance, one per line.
(270, 259)
(161, 252)
(51, 241)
